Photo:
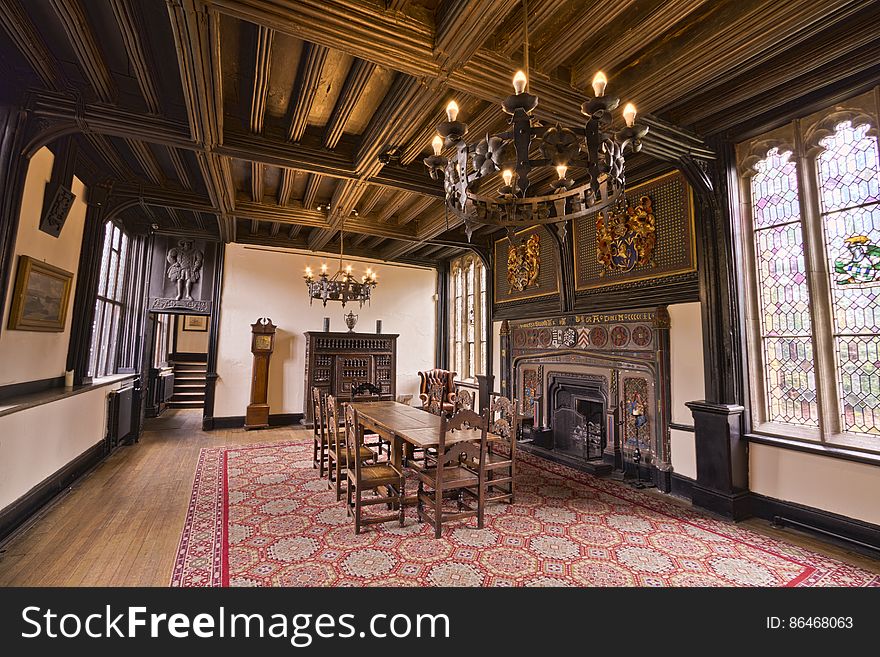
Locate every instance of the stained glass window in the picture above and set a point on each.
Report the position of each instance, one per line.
(849, 186)
(783, 293)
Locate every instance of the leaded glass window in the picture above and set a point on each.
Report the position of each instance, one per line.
(468, 330)
(849, 173)
(814, 233)
(783, 296)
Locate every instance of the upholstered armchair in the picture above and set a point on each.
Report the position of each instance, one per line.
(432, 379)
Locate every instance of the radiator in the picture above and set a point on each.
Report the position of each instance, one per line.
(119, 416)
(167, 386)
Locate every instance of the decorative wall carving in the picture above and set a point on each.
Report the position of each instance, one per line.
(524, 263)
(526, 266)
(625, 237)
(182, 275)
(652, 238)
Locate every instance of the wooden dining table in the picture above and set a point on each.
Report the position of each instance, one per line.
(403, 425)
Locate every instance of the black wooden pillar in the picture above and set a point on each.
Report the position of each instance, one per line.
(13, 169)
(213, 337)
(441, 344)
(721, 451)
(88, 272)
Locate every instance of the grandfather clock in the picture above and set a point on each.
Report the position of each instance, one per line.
(262, 344)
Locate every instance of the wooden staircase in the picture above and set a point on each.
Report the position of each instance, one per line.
(189, 381)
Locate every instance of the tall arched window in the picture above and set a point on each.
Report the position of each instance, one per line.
(468, 316)
(812, 205)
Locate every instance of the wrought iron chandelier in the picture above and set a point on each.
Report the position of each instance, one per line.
(342, 285)
(595, 152)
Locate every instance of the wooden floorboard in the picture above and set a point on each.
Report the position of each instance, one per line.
(120, 525)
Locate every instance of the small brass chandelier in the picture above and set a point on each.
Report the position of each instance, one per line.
(342, 285)
(594, 150)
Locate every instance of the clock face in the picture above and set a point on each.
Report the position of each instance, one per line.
(263, 342)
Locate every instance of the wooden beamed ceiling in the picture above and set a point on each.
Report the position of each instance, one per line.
(263, 120)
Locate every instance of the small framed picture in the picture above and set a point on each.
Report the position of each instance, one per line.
(40, 297)
(195, 322)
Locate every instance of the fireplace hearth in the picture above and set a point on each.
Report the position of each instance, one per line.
(577, 407)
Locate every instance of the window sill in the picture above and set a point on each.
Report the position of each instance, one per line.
(24, 402)
(829, 450)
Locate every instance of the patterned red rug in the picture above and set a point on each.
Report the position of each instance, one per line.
(260, 516)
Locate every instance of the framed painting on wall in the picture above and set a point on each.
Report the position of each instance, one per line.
(40, 296)
(195, 323)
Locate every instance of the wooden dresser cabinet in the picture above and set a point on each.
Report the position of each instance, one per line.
(336, 361)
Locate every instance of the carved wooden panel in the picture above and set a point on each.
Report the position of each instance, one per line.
(545, 284)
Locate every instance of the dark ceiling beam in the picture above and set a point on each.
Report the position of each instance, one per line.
(85, 46)
(262, 64)
(196, 31)
(413, 178)
(255, 148)
(464, 25)
(390, 39)
(355, 82)
(285, 187)
(418, 206)
(22, 32)
(294, 231)
(310, 195)
(108, 120)
(179, 167)
(131, 28)
(342, 204)
(108, 153)
(255, 226)
(369, 199)
(274, 228)
(146, 160)
(735, 32)
(357, 239)
(162, 197)
(175, 218)
(395, 5)
(509, 36)
(392, 205)
(650, 21)
(770, 81)
(308, 80)
(592, 18)
(257, 182)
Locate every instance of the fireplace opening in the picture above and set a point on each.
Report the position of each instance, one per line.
(577, 414)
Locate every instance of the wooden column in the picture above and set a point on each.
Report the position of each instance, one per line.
(213, 337)
(87, 274)
(13, 169)
(721, 451)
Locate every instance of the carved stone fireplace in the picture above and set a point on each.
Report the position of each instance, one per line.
(594, 387)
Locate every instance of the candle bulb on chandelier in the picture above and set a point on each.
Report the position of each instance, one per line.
(507, 174)
(308, 272)
(519, 82)
(599, 83)
(452, 111)
(561, 170)
(629, 115)
(437, 144)
(323, 268)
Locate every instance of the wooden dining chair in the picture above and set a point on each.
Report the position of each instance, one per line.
(337, 453)
(448, 479)
(319, 432)
(464, 400)
(500, 466)
(384, 479)
(370, 392)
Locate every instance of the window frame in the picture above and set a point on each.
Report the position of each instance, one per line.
(105, 362)
(466, 367)
(802, 137)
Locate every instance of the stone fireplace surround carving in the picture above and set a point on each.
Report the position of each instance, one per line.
(622, 355)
